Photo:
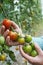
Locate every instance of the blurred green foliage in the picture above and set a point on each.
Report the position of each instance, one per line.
(26, 13)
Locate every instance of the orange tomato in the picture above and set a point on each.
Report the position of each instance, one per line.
(6, 23)
(13, 35)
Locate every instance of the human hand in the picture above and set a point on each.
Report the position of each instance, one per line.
(17, 29)
(38, 60)
(3, 32)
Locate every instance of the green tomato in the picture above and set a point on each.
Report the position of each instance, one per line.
(28, 38)
(34, 53)
(27, 49)
(2, 40)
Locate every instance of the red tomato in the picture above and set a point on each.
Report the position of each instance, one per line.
(13, 35)
(6, 23)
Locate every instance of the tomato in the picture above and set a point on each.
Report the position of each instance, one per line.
(2, 40)
(28, 38)
(13, 35)
(2, 57)
(6, 23)
(21, 40)
(27, 49)
(34, 53)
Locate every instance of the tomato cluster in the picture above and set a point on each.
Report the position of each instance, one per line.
(14, 36)
(26, 41)
(28, 46)
(28, 49)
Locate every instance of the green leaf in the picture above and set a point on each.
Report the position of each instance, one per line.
(6, 49)
(12, 56)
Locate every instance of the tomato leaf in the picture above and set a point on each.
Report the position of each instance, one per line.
(12, 56)
(6, 49)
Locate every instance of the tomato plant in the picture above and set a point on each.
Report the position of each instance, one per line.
(26, 41)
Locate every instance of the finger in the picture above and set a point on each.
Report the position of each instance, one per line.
(2, 29)
(38, 49)
(10, 42)
(29, 58)
(14, 25)
(6, 33)
(18, 30)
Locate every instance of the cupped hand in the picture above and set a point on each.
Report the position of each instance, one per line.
(6, 32)
(38, 60)
(17, 29)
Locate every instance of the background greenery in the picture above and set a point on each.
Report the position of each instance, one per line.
(26, 13)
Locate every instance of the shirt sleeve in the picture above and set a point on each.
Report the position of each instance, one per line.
(39, 41)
